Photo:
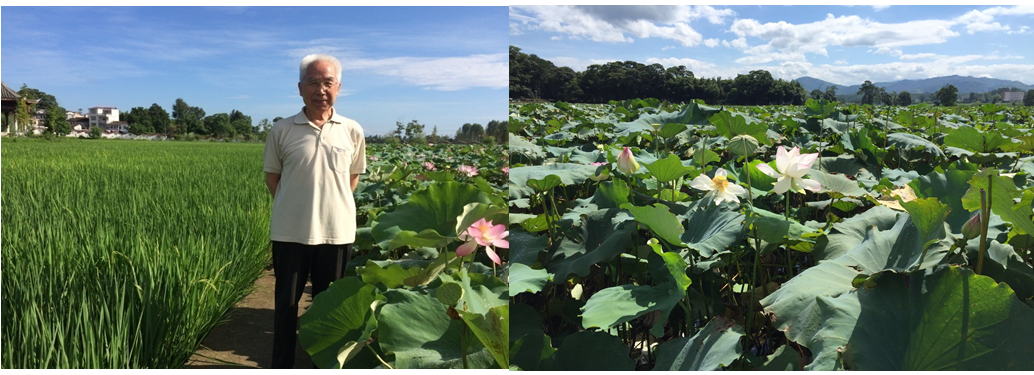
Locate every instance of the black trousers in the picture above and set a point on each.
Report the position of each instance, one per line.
(293, 263)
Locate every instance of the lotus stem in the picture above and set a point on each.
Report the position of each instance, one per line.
(985, 212)
(786, 214)
(381, 360)
(463, 345)
(753, 281)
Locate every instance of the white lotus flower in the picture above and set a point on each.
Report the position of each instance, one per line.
(792, 168)
(718, 187)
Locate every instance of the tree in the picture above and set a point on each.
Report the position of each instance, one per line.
(139, 120)
(869, 92)
(947, 95)
(434, 134)
(415, 132)
(831, 93)
(218, 125)
(159, 119)
(23, 116)
(96, 132)
(56, 122)
(884, 97)
(240, 124)
(498, 131)
(904, 99)
(187, 118)
(476, 132)
(463, 133)
(1028, 98)
(45, 100)
(815, 94)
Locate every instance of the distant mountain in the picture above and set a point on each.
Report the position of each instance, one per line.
(929, 85)
(810, 83)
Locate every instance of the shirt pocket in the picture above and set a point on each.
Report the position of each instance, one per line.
(338, 157)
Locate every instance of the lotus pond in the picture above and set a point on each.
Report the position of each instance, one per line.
(649, 235)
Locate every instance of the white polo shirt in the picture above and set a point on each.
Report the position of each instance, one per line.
(313, 203)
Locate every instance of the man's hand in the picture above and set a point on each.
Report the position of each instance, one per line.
(354, 181)
(272, 181)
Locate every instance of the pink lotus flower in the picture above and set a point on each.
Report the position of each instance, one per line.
(429, 166)
(506, 171)
(485, 234)
(792, 168)
(468, 170)
(626, 162)
(373, 158)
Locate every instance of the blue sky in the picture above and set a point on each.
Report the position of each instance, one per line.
(841, 44)
(443, 66)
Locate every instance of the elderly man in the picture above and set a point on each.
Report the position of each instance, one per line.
(312, 163)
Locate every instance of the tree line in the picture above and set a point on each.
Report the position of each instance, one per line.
(413, 132)
(532, 77)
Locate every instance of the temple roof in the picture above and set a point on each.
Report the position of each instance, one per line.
(8, 93)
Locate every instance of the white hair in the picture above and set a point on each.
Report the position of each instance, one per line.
(308, 60)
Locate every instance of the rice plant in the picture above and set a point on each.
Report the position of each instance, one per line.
(124, 254)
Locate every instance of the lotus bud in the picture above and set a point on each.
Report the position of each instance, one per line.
(626, 162)
(971, 229)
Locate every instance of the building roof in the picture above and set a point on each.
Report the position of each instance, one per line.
(8, 93)
(103, 108)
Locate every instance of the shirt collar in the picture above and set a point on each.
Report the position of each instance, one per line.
(301, 119)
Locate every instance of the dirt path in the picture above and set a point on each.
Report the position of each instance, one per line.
(245, 339)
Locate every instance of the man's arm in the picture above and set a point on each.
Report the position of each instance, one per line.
(273, 180)
(353, 182)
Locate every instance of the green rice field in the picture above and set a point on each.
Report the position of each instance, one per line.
(122, 254)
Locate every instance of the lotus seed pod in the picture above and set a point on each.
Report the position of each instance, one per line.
(449, 293)
(971, 229)
(743, 144)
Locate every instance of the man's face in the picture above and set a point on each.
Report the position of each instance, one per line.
(320, 87)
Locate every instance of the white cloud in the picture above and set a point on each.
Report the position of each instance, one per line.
(841, 62)
(441, 73)
(617, 24)
(888, 51)
(794, 40)
(665, 48)
(1021, 31)
(880, 7)
(856, 74)
(711, 42)
(984, 20)
(555, 38)
(515, 29)
(738, 43)
(998, 56)
(576, 63)
(699, 68)
(919, 56)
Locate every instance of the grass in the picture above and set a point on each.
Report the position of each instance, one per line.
(120, 254)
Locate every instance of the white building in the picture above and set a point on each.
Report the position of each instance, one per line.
(102, 116)
(1012, 96)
